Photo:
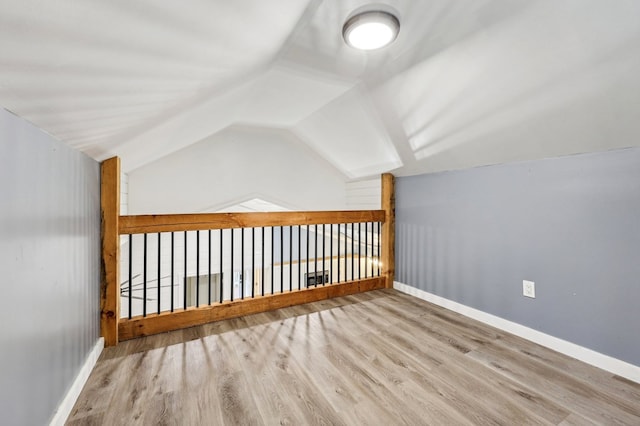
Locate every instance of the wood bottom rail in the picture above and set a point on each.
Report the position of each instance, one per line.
(169, 321)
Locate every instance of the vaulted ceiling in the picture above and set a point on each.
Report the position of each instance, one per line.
(467, 82)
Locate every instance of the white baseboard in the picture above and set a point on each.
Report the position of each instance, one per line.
(605, 362)
(65, 407)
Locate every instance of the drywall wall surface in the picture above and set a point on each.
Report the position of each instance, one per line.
(50, 263)
(364, 194)
(569, 224)
(234, 166)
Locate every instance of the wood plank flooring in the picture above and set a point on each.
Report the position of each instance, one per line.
(376, 358)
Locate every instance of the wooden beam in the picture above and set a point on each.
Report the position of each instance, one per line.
(110, 271)
(388, 228)
(193, 222)
(168, 321)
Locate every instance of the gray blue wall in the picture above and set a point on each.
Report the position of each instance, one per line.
(570, 224)
(49, 269)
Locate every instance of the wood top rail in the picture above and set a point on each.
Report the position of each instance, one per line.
(205, 221)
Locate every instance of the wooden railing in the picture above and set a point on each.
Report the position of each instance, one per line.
(189, 269)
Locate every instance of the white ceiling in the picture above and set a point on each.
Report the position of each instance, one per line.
(467, 82)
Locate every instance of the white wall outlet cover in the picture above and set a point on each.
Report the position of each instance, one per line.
(529, 289)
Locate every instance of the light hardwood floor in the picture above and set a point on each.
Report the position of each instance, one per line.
(377, 358)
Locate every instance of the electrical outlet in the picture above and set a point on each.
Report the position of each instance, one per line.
(529, 289)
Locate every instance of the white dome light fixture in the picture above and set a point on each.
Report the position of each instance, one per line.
(370, 30)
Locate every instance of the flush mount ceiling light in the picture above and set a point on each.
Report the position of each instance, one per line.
(370, 30)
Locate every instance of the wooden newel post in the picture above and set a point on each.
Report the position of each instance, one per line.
(388, 228)
(110, 271)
